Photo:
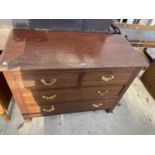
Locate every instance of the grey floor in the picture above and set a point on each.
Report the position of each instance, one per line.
(134, 116)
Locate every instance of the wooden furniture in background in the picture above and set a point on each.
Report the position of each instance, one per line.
(61, 72)
(143, 36)
(5, 93)
(5, 97)
(3, 113)
(139, 35)
(148, 78)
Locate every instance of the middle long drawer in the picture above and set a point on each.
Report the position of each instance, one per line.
(70, 94)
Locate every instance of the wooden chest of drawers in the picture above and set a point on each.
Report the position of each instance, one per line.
(61, 72)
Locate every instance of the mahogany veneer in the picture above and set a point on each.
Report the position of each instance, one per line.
(61, 72)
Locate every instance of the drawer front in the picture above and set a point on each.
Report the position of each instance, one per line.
(46, 79)
(72, 107)
(106, 77)
(73, 94)
(74, 78)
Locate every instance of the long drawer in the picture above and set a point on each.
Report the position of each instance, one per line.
(72, 94)
(67, 79)
(71, 107)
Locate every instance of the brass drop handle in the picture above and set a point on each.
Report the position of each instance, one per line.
(102, 93)
(107, 78)
(97, 105)
(48, 82)
(49, 97)
(48, 110)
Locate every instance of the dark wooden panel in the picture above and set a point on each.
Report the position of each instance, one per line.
(15, 91)
(5, 93)
(37, 50)
(71, 107)
(148, 79)
(72, 94)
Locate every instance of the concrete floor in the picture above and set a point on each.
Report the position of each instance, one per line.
(136, 115)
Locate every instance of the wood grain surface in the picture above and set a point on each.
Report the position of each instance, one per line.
(37, 50)
(72, 78)
(70, 107)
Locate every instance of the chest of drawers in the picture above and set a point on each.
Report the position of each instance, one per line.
(62, 72)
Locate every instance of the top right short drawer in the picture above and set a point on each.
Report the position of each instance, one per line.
(107, 76)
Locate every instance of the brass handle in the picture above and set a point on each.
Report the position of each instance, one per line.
(49, 97)
(101, 93)
(97, 105)
(107, 78)
(49, 110)
(48, 82)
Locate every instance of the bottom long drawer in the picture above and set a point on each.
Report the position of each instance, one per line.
(71, 107)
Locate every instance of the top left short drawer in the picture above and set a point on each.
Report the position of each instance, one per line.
(46, 79)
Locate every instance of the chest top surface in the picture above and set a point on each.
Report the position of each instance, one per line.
(35, 50)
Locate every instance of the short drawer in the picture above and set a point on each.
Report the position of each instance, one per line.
(73, 94)
(107, 76)
(46, 79)
(72, 107)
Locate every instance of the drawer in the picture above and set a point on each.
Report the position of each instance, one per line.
(107, 76)
(72, 94)
(74, 78)
(46, 79)
(72, 107)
